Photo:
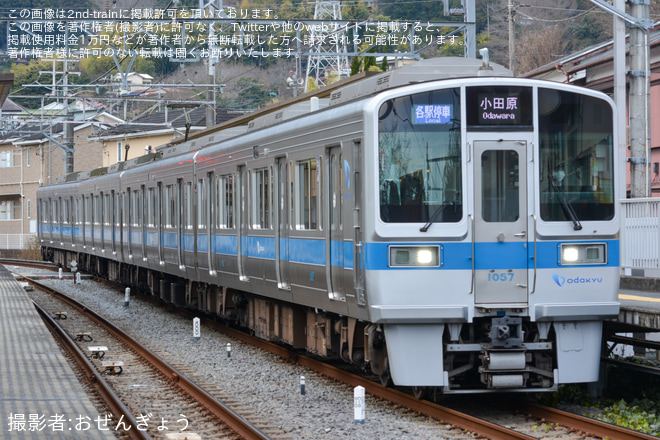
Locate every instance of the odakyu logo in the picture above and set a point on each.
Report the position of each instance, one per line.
(560, 280)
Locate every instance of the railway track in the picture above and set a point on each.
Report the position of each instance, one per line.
(578, 426)
(483, 428)
(47, 265)
(141, 389)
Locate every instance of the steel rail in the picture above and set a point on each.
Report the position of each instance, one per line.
(114, 403)
(438, 412)
(233, 420)
(29, 263)
(585, 424)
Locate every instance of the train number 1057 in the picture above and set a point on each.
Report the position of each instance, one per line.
(501, 276)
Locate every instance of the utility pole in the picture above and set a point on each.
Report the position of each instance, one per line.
(639, 103)
(512, 38)
(639, 95)
(211, 8)
(619, 72)
(68, 144)
(68, 117)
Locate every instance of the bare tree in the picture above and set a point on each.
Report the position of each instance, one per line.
(540, 47)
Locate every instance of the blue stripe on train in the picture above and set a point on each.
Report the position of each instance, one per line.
(454, 256)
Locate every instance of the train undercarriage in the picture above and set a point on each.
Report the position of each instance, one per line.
(494, 353)
(324, 334)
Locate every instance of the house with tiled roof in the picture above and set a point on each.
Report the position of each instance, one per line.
(32, 155)
(152, 130)
(593, 68)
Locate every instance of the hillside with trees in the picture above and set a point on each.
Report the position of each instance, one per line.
(544, 32)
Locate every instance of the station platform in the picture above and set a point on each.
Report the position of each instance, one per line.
(640, 302)
(40, 395)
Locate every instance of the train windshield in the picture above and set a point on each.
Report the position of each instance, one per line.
(576, 157)
(419, 140)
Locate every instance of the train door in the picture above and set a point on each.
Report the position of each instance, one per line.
(500, 222)
(160, 222)
(130, 213)
(211, 216)
(282, 221)
(74, 219)
(242, 223)
(51, 209)
(93, 203)
(143, 207)
(122, 219)
(337, 165)
(103, 218)
(179, 206)
(60, 218)
(113, 220)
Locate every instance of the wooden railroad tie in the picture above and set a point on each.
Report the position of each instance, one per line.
(113, 367)
(98, 351)
(84, 336)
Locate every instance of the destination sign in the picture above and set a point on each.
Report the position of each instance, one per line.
(501, 106)
(432, 114)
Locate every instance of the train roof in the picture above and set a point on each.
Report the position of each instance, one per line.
(354, 88)
(432, 69)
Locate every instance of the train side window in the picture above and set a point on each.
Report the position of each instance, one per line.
(225, 205)
(65, 211)
(128, 208)
(159, 208)
(177, 207)
(136, 212)
(143, 206)
(229, 202)
(54, 212)
(167, 205)
(319, 191)
(106, 209)
(112, 212)
(218, 198)
(292, 197)
(117, 213)
(260, 186)
(151, 210)
(77, 207)
(308, 185)
(188, 214)
(139, 207)
(201, 206)
(97, 210)
(88, 210)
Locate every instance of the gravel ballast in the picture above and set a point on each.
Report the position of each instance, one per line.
(254, 379)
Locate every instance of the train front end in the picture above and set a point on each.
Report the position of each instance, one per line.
(493, 254)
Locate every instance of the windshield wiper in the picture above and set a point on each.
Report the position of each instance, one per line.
(567, 207)
(437, 212)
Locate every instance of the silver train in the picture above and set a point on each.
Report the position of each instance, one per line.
(447, 225)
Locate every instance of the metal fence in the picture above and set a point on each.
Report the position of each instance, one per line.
(17, 241)
(640, 241)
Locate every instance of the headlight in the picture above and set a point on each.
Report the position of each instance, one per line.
(414, 256)
(577, 254)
